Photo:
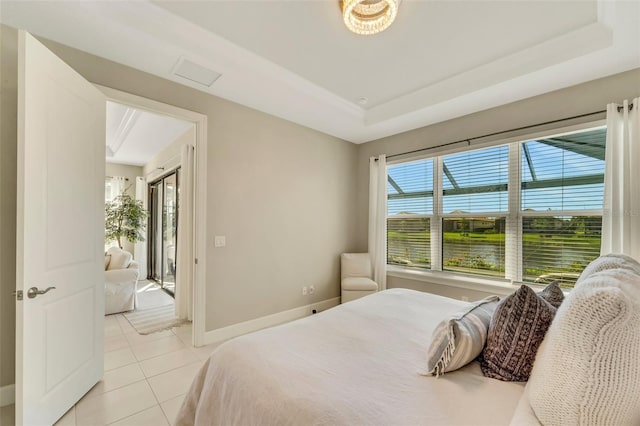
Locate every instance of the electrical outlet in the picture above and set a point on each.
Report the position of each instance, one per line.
(312, 289)
(304, 291)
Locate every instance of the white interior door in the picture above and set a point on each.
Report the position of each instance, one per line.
(60, 235)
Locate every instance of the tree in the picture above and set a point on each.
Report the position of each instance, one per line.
(124, 217)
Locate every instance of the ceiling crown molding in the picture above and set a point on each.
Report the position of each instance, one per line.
(608, 45)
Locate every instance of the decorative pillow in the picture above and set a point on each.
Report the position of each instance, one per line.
(587, 371)
(552, 294)
(516, 330)
(458, 340)
(120, 259)
(107, 259)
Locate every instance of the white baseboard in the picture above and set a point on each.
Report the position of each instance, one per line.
(7, 395)
(239, 329)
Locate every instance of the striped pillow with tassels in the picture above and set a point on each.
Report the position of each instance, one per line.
(459, 339)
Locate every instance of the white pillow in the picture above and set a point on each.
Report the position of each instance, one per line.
(120, 259)
(587, 372)
(459, 339)
(107, 259)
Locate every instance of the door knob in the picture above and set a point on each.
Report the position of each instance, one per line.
(33, 291)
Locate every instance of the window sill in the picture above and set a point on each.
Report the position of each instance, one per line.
(488, 285)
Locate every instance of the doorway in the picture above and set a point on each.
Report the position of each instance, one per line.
(164, 209)
(199, 197)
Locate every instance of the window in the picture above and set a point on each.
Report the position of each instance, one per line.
(528, 211)
(409, 211)
(474, 207)
(562, 188)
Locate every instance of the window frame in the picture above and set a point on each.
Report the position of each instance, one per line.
(513, 216)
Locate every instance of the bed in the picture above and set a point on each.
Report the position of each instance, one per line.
(363, 362)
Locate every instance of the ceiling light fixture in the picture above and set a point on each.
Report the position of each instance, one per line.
(368, 16)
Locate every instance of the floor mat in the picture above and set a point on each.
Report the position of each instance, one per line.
(155, 309)
(150, 320)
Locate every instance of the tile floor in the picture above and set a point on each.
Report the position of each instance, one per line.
(145, 379)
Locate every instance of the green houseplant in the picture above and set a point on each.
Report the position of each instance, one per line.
(124, 218)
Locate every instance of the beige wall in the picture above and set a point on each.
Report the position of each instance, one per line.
(169, 158)
(576, 100)
(281, 193)
(8, 137)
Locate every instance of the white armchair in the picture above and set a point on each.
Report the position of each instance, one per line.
(120, 279)
(356, 273)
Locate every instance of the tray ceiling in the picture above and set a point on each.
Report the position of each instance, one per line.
(296, 60)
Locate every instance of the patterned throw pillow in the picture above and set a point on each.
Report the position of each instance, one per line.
(552, 294)
(517, 328)
(458, 340)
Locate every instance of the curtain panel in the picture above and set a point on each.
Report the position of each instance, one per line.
(621, 213)
(378, 219)
(184, 257)
(140, 247)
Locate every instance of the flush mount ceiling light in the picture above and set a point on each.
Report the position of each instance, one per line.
(368, 16)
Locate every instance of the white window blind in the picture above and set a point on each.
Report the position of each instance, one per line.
(409, 211)
(474, 189)
(476, 181)
(562, 189)
(544, 197)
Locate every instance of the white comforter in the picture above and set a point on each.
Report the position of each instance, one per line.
(358, 363)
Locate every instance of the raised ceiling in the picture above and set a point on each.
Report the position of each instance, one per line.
(296, 60)
(135, 136)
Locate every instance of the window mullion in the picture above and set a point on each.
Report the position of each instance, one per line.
(436, 221)
(513, 238)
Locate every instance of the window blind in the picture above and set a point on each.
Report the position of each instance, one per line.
(475, 182)
(541, 198)
(410, 188)
(409, 208)
(562, 187)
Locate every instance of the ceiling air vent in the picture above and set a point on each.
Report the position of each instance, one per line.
(194, 72)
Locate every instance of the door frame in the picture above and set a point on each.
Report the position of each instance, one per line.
(199, 239)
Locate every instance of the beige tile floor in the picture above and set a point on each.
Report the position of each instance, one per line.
(145, 379)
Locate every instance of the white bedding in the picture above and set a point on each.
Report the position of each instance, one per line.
(358, 363)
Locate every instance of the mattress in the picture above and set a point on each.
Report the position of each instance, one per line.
(363, 362)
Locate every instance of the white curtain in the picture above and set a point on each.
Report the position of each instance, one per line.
(621, 215)
(118, 185)
(140, 247)
(378, 219)
(184, 262)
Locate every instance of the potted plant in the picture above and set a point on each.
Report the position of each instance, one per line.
(124, 218)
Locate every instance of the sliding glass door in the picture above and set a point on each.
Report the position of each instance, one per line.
(163, 226)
